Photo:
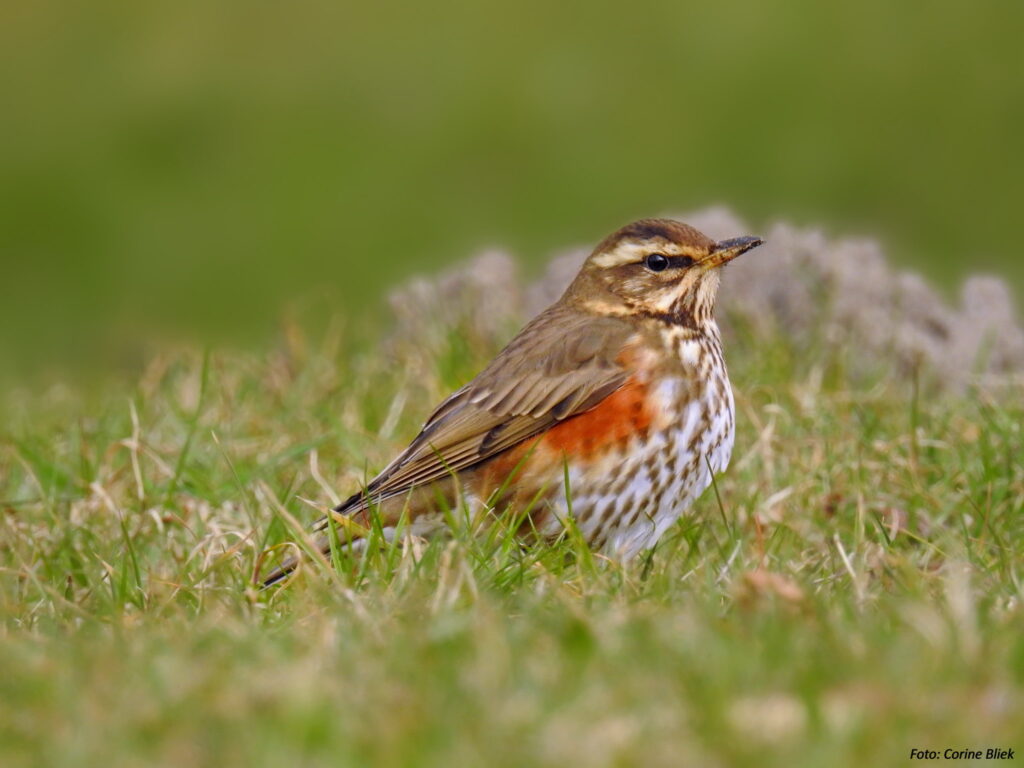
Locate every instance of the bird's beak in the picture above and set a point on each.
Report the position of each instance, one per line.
(727, 250)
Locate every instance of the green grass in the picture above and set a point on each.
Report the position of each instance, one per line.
(856, 592)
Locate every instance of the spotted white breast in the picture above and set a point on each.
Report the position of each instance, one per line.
(640, 490)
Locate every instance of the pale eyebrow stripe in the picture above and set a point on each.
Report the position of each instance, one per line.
(630, 253)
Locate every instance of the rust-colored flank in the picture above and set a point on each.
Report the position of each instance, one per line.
(614, 422)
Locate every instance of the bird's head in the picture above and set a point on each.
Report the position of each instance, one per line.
(656, 268)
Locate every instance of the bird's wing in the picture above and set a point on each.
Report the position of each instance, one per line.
(542, 377)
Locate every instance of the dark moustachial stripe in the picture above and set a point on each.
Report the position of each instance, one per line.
(681, 319)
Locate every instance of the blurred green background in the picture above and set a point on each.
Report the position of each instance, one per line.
(185, 169)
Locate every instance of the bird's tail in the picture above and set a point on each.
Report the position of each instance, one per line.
(348, 530)
(354, 519)
(283, 571)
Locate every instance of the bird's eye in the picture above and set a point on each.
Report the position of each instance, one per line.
(657, 262)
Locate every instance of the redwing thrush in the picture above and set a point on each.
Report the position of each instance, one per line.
(619, 388)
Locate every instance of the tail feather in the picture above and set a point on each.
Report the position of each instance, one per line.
(352, 521)
(280, 573)
(285, 569)
(349, 531)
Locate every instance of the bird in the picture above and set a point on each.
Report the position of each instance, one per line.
(613, 405)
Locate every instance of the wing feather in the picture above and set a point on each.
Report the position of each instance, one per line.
(540, 378)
